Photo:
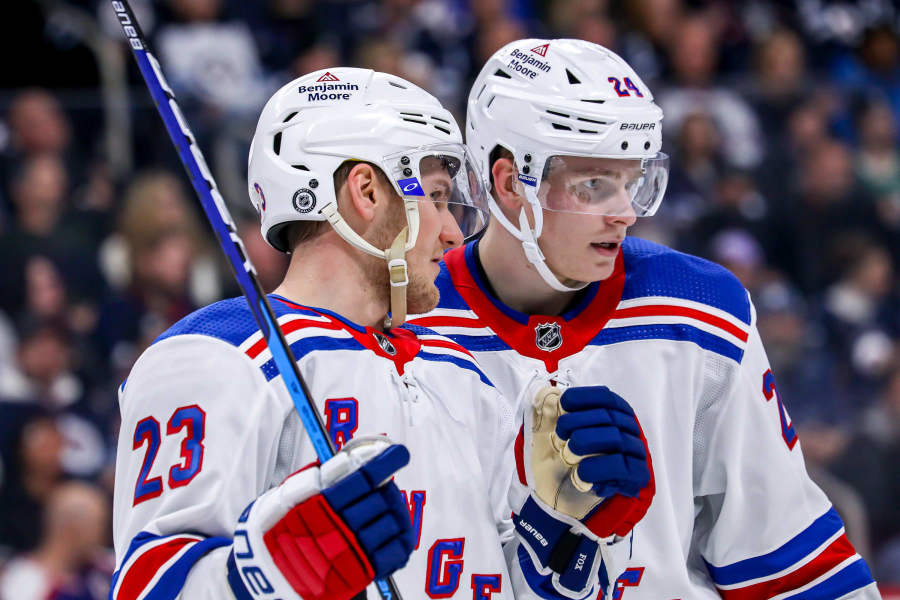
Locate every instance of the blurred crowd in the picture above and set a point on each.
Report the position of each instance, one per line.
(781, 118)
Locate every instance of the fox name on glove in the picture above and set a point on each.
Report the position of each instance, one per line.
(326, 532)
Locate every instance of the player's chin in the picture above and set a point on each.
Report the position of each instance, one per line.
(421, 296)
(594, 270)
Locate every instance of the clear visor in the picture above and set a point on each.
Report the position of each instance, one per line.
(604, 186)
(446, 175)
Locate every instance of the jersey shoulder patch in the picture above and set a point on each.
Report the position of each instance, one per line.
(654, 270)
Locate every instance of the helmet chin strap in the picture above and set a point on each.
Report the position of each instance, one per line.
(528, 236)
(395, 256)
(399, 275)
(536, 257)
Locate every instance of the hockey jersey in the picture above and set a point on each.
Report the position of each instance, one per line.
(207, 426)
(735, 514)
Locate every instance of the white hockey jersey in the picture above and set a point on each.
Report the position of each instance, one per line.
(207, 426)
(735, 514)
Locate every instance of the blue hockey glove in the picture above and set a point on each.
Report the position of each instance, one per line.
(326, 532)
(587, 477)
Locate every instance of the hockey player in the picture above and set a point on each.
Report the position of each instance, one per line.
(363, 178)
(554, 293)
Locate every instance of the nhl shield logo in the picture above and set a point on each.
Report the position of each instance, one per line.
(385, 344)
(548, 336)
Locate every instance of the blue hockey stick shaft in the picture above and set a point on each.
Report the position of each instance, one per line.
(223, 226)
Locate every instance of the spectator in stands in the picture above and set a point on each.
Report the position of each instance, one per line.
(37, 125)
(807, 221)
(211, 62)
(693, 55)
(72, 560)
(736, 204)
(39, 193)
(32, 467)
(778, 83)
(160, 264)
(881, 425)
(878, 164)
(859, 310)
(875, 66)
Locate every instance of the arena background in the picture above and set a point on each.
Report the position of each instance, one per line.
(781, 118)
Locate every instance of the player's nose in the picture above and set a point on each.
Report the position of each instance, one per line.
(622, 210)
(451, 235)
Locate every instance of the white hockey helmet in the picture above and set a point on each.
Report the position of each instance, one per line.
(315, 123)
(565, 109)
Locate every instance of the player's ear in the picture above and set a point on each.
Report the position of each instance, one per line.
(362, 191)
(507, 188)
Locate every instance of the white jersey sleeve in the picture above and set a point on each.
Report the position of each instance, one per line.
(751, 485)
(194, 411)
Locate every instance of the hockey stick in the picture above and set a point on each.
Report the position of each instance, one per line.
(223, 226)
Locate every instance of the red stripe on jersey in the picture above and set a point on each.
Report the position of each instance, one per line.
(257, 348)
(837, 552)
(439, 321)
(147, 566)
(659, 310)
(445, 344)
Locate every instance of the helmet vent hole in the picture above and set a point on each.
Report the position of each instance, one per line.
(502, 73)
(572, 79)
(481, 91)
(561, 127)
(434, 118)
(289, 117)
(491, 101)
(558, 114)
(585, 119)
(444, 129)
(276, 144)
(587, 131)
(395, 84)
(419, 121)
(301, 167)
(594, 101)
(409, 114)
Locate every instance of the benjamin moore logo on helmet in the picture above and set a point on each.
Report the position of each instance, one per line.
(304, 200)
(410, 187)
(519, 61)
(637, 126)
(320, 92)
(541, 50)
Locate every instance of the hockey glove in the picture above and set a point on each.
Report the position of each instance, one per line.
(603, 450)
(572, 452)
(326, 532)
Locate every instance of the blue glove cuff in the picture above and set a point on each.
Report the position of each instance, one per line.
(570, 556)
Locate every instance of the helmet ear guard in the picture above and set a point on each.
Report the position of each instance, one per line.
(545, 99)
